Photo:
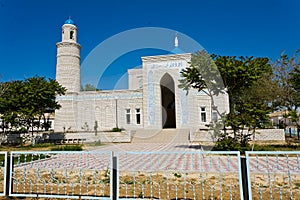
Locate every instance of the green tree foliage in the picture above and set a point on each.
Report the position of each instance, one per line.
(10, 104)
(203, 75)
(295, 78)
(240, 74)
(245, 79)
(295, 84)
(24, 103)
(89, 87)
(287, 74)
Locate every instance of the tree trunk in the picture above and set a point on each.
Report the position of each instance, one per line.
(231, 112)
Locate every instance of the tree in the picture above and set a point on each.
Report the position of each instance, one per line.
(10, 105)
(89, 87)
(203, 75)
(295, 78)
(254, 107)
(24, 103)
(287, 74)
(240, 76)
(295, 83)
(39, 98)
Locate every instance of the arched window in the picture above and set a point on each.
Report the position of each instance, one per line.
(71, 35)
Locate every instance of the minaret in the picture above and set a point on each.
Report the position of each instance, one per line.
(68, 58)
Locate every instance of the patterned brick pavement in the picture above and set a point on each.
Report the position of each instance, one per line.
(161, 156)
(147, 156)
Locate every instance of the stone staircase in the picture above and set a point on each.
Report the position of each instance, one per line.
(161, 136)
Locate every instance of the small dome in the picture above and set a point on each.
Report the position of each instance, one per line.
(69, 21)
(177, 51)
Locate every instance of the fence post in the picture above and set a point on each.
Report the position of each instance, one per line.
(7, 178)
(115, 178)
(244, 178)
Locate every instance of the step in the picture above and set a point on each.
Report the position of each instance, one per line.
(161, 136)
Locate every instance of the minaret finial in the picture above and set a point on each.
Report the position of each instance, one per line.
(176, 40)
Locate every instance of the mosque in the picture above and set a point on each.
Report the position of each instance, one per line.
(153, 99)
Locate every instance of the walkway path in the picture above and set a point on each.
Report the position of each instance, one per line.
(161, 136)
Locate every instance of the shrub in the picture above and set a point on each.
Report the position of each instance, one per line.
(68, 148)
(29, 158)
(41, 145)
(228, 143)
(116, 129)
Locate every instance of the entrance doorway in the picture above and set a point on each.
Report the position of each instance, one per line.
(168, 101)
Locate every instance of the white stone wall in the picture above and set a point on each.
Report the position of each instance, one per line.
(261, 135)
(66, 116)
(201, 136)
(104, 137)
(222, 102)
(269, 135)
(135, 79)
(79, 137)
(154, 68)
(187, 105)
(80, 112)
(200, 100)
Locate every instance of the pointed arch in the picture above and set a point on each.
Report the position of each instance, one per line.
(168, 104)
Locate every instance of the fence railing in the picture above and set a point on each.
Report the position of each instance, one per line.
(273, 175)
(61, 174)
(179, 175)
(150, 175)
(3, 173)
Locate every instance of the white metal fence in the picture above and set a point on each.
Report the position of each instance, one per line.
(61, 174)
(3, 171)
(150, 175)
(273, 175)
(161, 175)
(179, 175)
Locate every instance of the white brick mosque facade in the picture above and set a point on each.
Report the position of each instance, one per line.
(152, 101)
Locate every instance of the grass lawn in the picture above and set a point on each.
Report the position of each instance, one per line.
(291, 144)
(42, 147)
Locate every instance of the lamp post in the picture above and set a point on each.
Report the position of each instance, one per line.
(116, 98)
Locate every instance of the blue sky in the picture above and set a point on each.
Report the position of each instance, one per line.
(29, 29)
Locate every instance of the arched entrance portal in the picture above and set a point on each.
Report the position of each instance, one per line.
(168, 101)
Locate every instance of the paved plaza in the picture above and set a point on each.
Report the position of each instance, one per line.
(149, 147)
(163, 156)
